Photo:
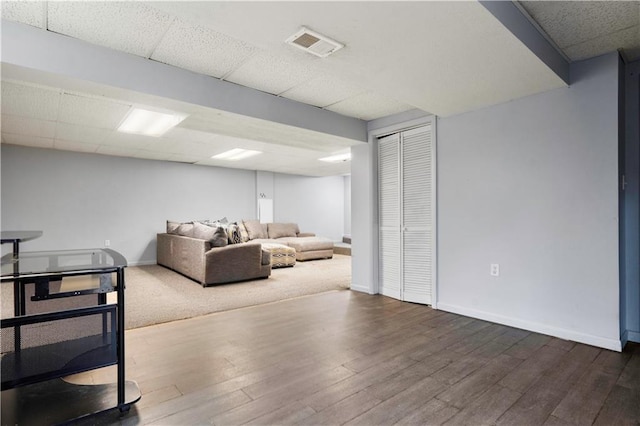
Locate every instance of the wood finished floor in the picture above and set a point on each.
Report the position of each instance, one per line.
(349, 358)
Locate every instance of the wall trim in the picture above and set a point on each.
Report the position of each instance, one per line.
(361, 288)
(562, 333)
(633, 336)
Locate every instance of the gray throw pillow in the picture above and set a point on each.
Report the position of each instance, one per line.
(202, 231)
(220, 238)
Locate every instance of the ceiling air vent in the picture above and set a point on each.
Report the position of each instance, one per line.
(314, 43)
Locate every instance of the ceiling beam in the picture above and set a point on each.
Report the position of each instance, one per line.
(523, 28)
(26, 47)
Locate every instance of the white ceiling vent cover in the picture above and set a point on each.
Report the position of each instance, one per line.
(314, 43)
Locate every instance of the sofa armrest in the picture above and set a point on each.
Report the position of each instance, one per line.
(306, 234)
(234, 262)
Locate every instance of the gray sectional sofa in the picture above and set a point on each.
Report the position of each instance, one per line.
(211, 253)
(198, 260)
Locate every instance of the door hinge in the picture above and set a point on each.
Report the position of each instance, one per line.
(624, 182)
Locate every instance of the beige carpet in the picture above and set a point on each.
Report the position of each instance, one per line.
(155, 294)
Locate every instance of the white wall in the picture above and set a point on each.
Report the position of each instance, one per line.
(79, 200)
(532, 185)
(315, 203)
(347, 205)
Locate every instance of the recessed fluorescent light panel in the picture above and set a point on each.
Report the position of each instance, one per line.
(149, 123)
(236, 154)
(337, 158)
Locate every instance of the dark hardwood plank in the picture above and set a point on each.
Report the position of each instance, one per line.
(487, 408)
(396, 407)
(434, 412)
(622, 407)
(344, 410)
(584, 399)
(350, 358)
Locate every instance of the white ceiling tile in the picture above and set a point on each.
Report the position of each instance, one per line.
(74, 146)
(201, 49)
(84, 134)
(272, 74)
(152, 155)
(28, 12)
(183, 158)
(322, 91)
(30, 101)
(28, 140)
(128, 26)
(129, 141)
(94, 112)
(628, 39)
(573, 22)
(28, 126)
(368, 106)
(117, 151)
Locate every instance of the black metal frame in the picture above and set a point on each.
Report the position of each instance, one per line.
(19, 280)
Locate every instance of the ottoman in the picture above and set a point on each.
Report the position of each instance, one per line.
(281, 255)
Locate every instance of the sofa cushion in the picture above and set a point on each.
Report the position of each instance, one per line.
(279, 230)
(220, 238)
(254, 229)
(203, 231)
(302, 244)
(172, 226)
(234, 233)
(244, 235)
(216, 235)
(185, 229)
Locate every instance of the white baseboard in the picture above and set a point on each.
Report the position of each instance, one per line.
(361, 288)
(601, 342)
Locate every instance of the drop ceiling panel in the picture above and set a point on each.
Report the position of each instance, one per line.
(129, 141)
(28, 12)
(570, 23)
(74, 146)
(94, 112)
(117, 151)
(27, 140)
(79, 133)
(152, 155)
(323, 91)
(628, 39)
(201, 50)
(130, 27)
(30, 101)
(272, 73)
(368, 106)
(28, 126)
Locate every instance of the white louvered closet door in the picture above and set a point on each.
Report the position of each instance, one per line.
(389, 216)
(417, 218)
(407, 215)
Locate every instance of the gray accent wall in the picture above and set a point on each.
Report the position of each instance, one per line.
(630, 288)
(80, 200)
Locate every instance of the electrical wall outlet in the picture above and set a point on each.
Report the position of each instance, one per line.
(495, 269)
(107, 243)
